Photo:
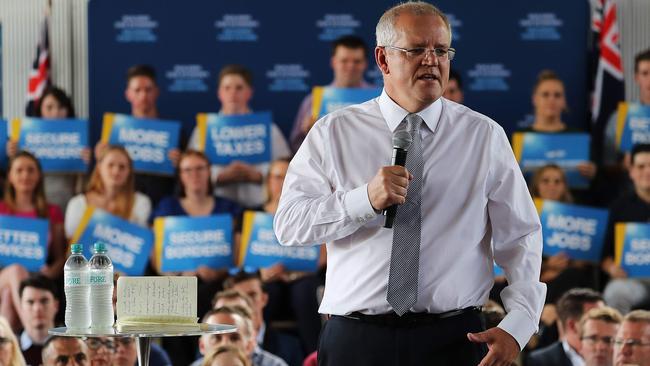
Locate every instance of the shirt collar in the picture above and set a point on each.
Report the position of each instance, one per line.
(25, 341)
(572, 354)
(261, 332)
(394, 114)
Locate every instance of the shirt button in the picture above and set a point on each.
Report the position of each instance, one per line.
(360, 220)
(368, 216)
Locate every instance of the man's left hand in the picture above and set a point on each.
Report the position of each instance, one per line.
(502, 347)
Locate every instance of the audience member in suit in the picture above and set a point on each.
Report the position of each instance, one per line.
(570, 308)
(38, 307)
(633, 339)
(597, 330)
(59, 351)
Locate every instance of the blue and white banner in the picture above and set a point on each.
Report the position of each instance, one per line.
(245, 137)
(577, 231)
(148, 141)
(328, 99)
(56, 143)
(633, 125)
(23, 241)
(184, 243)
(632, 245)
(129, 245)
(534, 150)
(260, 248)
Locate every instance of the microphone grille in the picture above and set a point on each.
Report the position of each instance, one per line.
(402, 139)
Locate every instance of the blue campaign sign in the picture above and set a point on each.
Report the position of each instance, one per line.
(260, 247)
(23, 241)
(633, 125)
(56, 143)
(328, 99)
(3, 140)
(128, 245)
(148, 141)
(567, 150)
(577, 231)
(245, 137)
(184, 243)
(632, 241)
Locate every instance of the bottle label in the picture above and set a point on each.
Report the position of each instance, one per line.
(98, 279)
(72, 281)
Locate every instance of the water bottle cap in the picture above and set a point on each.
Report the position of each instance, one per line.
(76, 248)
(100, 247)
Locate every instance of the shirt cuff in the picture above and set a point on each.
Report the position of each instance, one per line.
(357, 205)
(519, 326)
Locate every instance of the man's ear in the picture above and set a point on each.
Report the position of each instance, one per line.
(380, 59)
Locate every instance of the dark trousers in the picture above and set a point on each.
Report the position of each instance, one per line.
(346, 341)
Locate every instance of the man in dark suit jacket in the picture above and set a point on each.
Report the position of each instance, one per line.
(570, 308)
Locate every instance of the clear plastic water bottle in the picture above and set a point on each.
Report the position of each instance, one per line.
(101, 288)
(77, 290)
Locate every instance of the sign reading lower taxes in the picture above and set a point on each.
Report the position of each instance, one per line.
(577, 231)
(148, 141)
(56, 143)
(23, 241)
(534, 150)
(632, 125)
(327, 99)
(128, 245)
(260, 248)
(632, 245)
(244, 137)
(184, 243)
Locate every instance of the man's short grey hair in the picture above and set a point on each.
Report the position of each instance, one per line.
(386, 33)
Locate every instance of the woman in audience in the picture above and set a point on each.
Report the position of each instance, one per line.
(24, 196)
(226, 356)
(59, 187)
(111, 188)
(239, 181)
(101, 351)
(10, 354)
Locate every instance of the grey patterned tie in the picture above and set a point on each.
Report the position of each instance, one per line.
(405, 255)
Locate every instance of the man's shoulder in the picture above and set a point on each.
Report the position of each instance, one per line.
(368, 109)
(460, 113)
(549, 355)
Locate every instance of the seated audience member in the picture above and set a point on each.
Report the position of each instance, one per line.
(632, 340)
(142, 94)
(624, 293)
(111, 188)
(597, 331)
(570, 308)
(454, 89)
(68, 351)
(10, 354)
(59, 187)
(349, 62)
(126, 353)
(38, 306)
(226, 356)
(24, 196)
(101, 351)
(239, 181)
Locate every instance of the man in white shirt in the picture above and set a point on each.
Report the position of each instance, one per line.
(470, 193)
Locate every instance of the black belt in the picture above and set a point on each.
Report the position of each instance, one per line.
(392, 318)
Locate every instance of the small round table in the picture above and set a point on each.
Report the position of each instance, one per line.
(143, 338)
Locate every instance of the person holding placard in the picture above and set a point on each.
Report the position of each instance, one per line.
(24, 196)
(240, 181)
(59, 188)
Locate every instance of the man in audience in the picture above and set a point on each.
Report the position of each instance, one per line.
(349, 62)
(621, 292)
(597, 330)
(38, 307)
(100, 351)
(632, 344)
(454, 90)
(64, 351)
(570, 308)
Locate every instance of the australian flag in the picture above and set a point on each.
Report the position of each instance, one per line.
(39, 75)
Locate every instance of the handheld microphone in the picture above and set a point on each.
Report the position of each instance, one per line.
(401, 142)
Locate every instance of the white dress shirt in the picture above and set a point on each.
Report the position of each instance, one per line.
(473, 192)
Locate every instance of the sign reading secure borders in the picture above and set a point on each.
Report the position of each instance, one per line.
(184, 243)
(245, 137)
(148, 141)
(328, 99)
(632, 125)
(23, 241)
(260, 248)
(128, 245)
(632, 245)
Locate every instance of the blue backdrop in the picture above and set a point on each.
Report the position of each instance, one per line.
(500, 50)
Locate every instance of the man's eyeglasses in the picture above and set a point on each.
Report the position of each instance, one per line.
(593, 339)
(96, 343)
(64, 359)
(619, 342)
(418, 53)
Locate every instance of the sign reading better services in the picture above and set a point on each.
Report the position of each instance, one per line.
(632, 245)
(327, 99)
(56, 143)
(245, 137)
(148, 141)
(577, 231)
(632, 125)
(184, 243)
(260, 248)
(23, 241)
(128, 245)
